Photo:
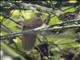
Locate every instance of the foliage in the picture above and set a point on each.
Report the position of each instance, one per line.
(58, 44)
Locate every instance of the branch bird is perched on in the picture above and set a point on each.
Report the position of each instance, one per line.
(29, 38)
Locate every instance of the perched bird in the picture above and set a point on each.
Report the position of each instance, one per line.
(29, 38)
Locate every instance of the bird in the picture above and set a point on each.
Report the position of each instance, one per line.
(29, 38)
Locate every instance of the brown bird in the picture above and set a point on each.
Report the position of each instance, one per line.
(29, 38)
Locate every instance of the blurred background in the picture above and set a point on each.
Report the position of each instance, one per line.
(60, 41)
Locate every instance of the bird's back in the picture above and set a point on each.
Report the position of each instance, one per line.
(29, 38)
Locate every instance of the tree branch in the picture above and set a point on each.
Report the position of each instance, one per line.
(39, 29)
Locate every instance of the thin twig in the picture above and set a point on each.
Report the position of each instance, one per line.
(39, 29)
